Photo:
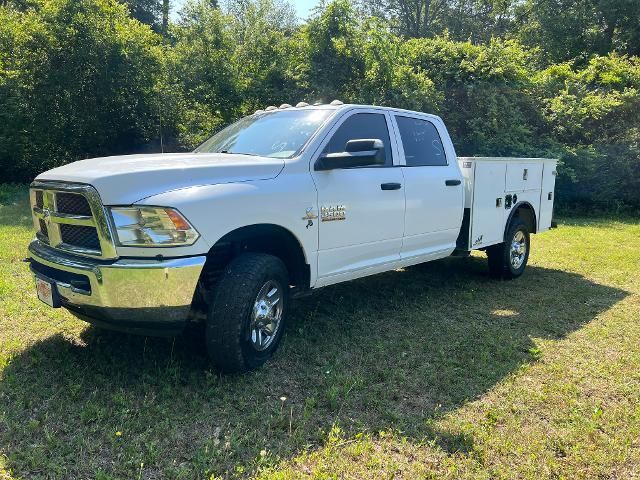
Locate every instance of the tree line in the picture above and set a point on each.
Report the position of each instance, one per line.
(86, 78)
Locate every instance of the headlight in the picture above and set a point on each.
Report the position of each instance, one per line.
(152, 227)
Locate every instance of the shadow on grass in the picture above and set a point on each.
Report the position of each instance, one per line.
(393, 351)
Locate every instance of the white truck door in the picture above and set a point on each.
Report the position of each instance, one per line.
(434, 189)
(361, 209)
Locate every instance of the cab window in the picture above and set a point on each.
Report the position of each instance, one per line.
(360, 126)
(421, 142)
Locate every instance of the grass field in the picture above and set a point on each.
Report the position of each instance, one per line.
(433, 372)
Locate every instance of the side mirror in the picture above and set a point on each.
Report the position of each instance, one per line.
(357, 153)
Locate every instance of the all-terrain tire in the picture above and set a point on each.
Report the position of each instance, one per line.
(228, 335)
(505, 261)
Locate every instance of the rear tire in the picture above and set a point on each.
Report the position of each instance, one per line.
(246, 318)
(509, 259)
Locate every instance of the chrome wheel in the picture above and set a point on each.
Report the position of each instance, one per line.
(518, 250)
(266, 315)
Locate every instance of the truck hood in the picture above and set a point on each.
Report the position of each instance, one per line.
(126, 179)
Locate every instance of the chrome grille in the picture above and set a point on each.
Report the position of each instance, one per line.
(71, 217)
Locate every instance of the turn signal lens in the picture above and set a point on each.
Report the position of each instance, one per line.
(178, 220)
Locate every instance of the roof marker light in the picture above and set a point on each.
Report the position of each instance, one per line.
(302, 104)
(270, 108)
(284, 105)
(336, 102)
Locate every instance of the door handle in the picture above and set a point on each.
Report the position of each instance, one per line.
(452, 183)
(390, 186)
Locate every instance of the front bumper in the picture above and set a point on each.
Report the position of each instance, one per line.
(137, 295)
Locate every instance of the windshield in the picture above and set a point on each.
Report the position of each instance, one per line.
(278, 134)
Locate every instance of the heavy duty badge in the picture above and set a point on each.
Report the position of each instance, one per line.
(337, 212)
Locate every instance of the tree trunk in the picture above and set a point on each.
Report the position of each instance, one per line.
(165, 16)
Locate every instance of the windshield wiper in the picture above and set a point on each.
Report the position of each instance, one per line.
(240, 153)
(229, 152)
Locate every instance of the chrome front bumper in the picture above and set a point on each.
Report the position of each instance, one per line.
(129, 294)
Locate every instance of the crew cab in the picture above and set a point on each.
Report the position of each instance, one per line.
(281, 202)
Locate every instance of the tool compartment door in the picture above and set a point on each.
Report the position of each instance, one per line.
(487, 211)
(547, 196)
(523, 176)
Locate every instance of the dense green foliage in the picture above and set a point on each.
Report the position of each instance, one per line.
(82, 78)
(77, 79)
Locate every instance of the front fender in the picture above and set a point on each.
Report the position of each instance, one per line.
(215, 210)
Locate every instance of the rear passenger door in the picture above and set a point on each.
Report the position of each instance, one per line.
(433, 188)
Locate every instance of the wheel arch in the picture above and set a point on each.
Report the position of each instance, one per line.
(267, 238)
(525, 211)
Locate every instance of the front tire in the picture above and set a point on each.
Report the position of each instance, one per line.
(246, 318)
(509, 259)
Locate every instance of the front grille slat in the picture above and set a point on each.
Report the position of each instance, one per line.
(43, 228)
(80, 236)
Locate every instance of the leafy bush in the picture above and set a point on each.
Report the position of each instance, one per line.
(592, 116)
(485, 89)
(78, 79)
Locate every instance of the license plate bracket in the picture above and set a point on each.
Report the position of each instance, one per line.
(47, 292)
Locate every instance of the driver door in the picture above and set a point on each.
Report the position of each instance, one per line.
(361, 209)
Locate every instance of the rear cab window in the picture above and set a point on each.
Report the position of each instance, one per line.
(421, 142)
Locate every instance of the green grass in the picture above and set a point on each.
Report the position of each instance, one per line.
(437, 371)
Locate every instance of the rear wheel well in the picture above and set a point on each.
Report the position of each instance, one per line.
(525, 212)
(262, 238)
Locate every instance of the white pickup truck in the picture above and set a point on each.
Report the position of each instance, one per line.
(281, 202)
